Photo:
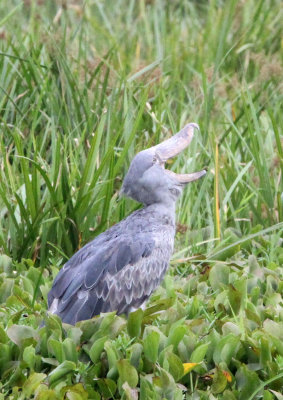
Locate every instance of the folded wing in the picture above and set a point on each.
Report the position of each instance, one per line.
(112, 275)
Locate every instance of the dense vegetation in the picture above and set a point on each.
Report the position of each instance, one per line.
(85, 85)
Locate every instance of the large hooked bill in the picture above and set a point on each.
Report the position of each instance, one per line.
(174, 146)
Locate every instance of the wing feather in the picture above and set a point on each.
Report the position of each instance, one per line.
(116, 275)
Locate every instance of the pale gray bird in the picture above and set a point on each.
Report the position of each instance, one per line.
(121, 267)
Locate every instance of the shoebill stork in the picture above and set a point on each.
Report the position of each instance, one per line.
(121, 267)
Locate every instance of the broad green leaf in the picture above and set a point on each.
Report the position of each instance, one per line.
(176, 368)
(112, 354)
(134, 323)
(176, 335)
(268, 396)
(219, 382)
(265, 352)
(53, 323)
(32, 383)
(237, 294)
(147, 391)
(75, 334)
(5, 356)
(5, 263)
(166, 383)
(247, 381)
(199, 353)
(75, 392)
(219, 276)
(69, 350)
(151, 345)
(56, 348)
(18, 333)
(97, 348)
(136, 352)
(127, 373)
(131, 394)
(225, 349)
(107, 387)
(43, 393)
(230, 327)
(159, 305)
(6, 289)
(29, 356)
(62, 370)
(3, 336)
(273, 328)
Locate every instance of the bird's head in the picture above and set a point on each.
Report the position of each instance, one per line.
(147, 180)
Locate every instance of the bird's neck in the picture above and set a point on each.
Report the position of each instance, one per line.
(161, 209)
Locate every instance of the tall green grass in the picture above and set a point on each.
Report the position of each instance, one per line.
(85, 86)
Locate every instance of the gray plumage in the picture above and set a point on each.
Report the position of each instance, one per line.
(120, 268)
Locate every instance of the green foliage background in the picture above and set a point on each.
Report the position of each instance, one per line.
(86, 85)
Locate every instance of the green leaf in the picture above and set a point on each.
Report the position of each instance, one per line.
(112, 354)
(43, 393)
(237, 294)
(131, 394)
(127, 373)
(151, 345)
(273, 328)
(247, 381)
(56, 348)
(6, 289)
(29, 356)
(5, 264)
(107, 387)
(219, 382)
(176, 335)
(61, 371)
(265, 352)
(226, 348)
(69, 350)
(228, 395)
(147, 391)
(160, 305)
(134, 323)
(166, 383)
(18, 333)
(3, 336)
(74, 392)
(32, 383)
(75, 334)
(199, 353)
(176, 368)
(219, 276)
(97, 348)
(53, 323)
(136, 352)
(5, 356)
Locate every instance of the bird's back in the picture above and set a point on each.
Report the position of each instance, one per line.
(118, 270)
